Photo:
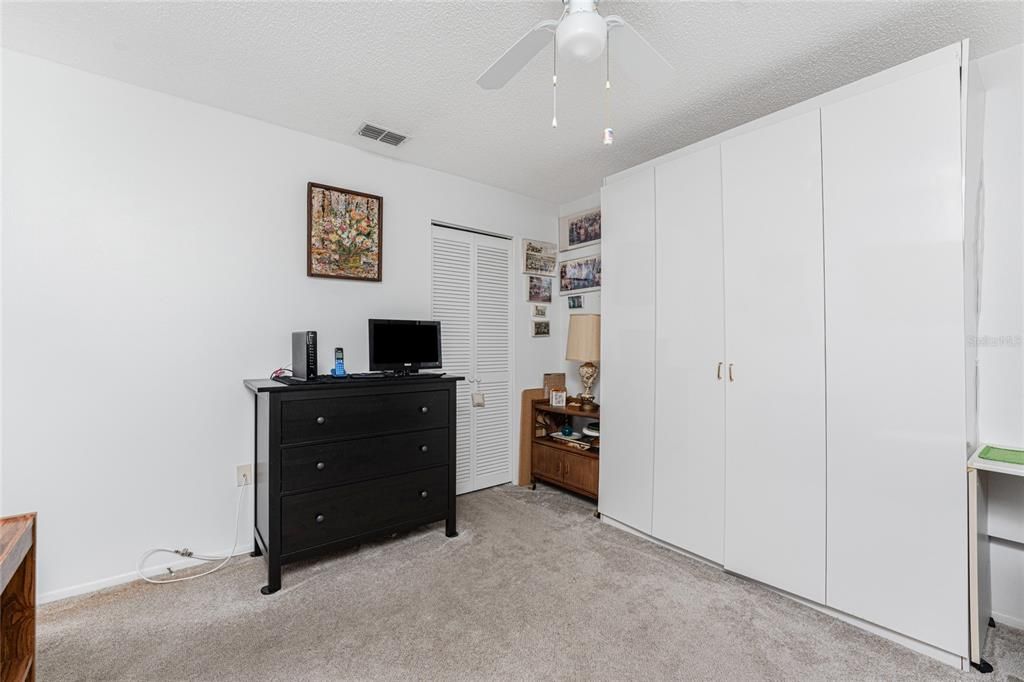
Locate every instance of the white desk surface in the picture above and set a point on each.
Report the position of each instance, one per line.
(980, 464)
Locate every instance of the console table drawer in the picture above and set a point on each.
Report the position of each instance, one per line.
(324, 516)
(352, 416)
(313, 466)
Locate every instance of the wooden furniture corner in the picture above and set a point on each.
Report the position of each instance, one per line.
(18, 599)
(559, 463)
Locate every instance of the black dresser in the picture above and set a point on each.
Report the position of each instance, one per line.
(342, 462)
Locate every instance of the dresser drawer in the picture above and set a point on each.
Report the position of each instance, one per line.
(315, 466)
(317, 518)
(317, 419)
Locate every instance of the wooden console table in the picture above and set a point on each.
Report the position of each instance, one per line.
(18, 600)
(558, 462)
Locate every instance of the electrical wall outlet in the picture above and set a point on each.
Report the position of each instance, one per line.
(243, 474)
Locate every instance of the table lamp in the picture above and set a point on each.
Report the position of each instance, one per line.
(584, 345)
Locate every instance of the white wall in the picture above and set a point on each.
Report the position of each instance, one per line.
(1001, 322)
(153, 257)
(591, 301)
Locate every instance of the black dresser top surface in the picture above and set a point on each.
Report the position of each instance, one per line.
(271, 386)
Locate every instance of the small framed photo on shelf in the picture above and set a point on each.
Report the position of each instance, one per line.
(557, 397)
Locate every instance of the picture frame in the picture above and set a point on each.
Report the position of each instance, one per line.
(540, 328)
(575, 302)
(540, 311)
(557, 397)
(579, 229)
(539, 258)
(344, 233)
(579, 275)
(538, 289)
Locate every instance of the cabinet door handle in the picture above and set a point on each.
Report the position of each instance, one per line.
(423, 448)
(424, 409)
(423, 494)
(730, 372)
(565, 472)
(319, 518)
(320, 420)
(320, 466)
(718, 372)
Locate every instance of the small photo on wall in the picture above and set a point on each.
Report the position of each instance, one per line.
(540, 311)
(580, 229)
(580, 274)
(575, 302)
(539, 289)
(540, 328)
(539, 258)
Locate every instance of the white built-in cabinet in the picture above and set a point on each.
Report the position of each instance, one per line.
(784, 392)
(627, 322)
(689, 488)
(775, 354)
(894, 273)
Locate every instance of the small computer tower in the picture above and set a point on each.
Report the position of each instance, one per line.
(304, 355)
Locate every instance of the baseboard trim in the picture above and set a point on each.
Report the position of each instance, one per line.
(121, 579)
(941, 655)
(1006, 619)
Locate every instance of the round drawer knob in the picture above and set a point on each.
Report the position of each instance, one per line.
(423, 448)
(320, 420)
(320, 466)
(423, 493)
(319, 518)
(424, 409)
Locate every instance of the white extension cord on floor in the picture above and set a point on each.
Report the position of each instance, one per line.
(188, 554)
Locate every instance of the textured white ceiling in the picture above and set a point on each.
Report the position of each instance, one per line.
(323, 68)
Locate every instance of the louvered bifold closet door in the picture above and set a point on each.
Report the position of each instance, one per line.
(471, 297)
(492, 427)
(452, 305)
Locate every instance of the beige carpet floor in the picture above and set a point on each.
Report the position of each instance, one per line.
(534, 588)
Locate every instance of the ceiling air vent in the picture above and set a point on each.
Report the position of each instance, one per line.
(381, 135)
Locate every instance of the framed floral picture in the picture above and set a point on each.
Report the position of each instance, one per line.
(343, 233)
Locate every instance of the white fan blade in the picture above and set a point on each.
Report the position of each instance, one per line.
(638, 60)
(518, 56)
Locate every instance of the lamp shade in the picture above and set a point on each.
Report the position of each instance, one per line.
(584, 343)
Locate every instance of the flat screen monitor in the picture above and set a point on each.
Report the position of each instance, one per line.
(404, 345)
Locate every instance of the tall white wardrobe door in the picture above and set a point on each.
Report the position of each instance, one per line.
(627, 349)
(897, 496)
(775, 404)
(689, 441)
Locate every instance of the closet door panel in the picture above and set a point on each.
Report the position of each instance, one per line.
(897, 496)
(471, 296)
(627, 349)
(689, 446)
(452, 304)
(775, 404)
(492, 423)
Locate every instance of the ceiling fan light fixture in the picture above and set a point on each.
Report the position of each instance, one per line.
(582, 35)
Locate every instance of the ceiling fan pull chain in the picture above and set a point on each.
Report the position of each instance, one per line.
(554, 86)
(609, 134)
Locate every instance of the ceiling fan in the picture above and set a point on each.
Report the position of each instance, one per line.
(583, 34)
